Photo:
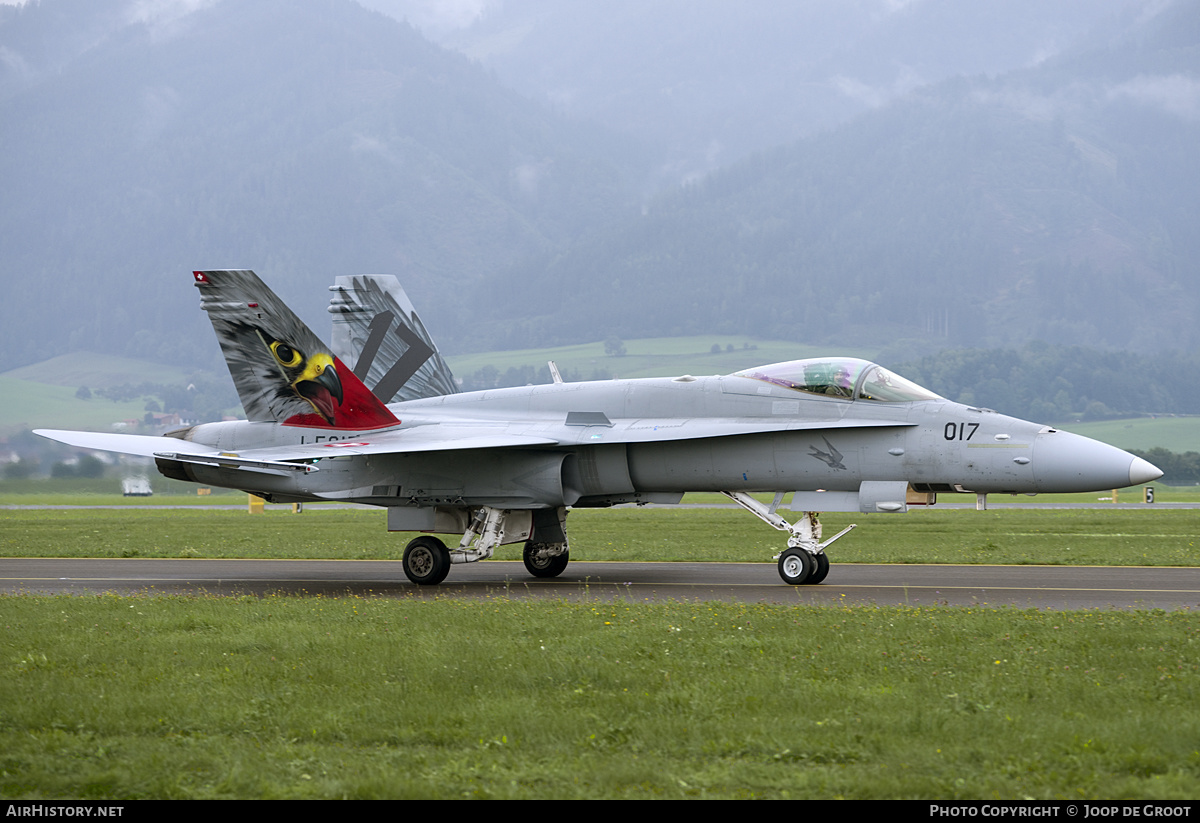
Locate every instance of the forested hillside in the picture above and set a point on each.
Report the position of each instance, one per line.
(307, 139)
(1058, 384)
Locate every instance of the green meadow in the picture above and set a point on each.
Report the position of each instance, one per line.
(42, 396)
(652, 357)
(309, 697)
(106, 491)
(94, 370)
(1146, 537)
(33, 405)
(349, 697)
(1176, 434)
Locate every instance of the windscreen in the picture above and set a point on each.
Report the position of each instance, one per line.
(880, 384)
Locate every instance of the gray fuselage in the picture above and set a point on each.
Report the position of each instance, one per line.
(654, 439)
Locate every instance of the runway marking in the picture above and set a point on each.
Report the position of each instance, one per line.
(1007, 588)
(584, 582)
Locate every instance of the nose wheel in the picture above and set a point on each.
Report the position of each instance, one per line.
(795, 566)
(798, 567)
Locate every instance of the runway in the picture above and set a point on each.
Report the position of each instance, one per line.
(1043, 587)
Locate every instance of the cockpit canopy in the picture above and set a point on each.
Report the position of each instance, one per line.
(844, 377)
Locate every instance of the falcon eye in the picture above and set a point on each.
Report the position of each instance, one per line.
(285, 354)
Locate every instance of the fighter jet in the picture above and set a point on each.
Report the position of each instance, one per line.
(507, 465)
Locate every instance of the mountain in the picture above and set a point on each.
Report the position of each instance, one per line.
(303, 139)
(716, 80)
(914, 175)
(1055, 202)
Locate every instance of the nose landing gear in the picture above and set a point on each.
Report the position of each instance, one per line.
(804, 561)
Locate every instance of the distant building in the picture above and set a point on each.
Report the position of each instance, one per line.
(152, 422)
(166, 419)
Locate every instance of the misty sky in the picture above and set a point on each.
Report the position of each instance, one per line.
(335, 142)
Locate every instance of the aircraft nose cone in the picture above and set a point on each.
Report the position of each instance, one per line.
(1142, 471)
(1065, 462)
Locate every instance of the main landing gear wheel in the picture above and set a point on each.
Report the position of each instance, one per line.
(820, 569)
(426, 561)
(795, 566)
(542, 566)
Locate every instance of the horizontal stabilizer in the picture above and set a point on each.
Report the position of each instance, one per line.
(230, 461)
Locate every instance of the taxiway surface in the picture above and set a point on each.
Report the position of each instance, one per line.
(1055, 587)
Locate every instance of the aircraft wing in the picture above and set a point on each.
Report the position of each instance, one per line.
(139, 444)
(579, 428)
(285, 459)
(476, 434)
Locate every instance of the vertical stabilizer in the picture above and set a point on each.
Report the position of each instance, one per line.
(376, 328)
(283, 373)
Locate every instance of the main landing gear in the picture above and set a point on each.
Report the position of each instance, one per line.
(804, 560)
(545, 559)
(427, 560)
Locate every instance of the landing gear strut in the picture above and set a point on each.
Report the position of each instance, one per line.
(427, 561)
(804, 560)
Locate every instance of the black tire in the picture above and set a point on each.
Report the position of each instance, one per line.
(544, 566)
(795, 566)
(820, 569)
(426, 561)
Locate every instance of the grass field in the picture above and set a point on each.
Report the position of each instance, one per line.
(106, 491)
(95, 371)
(42, 395)
(288, 697)
(1159, 537)
(651, 357)
(32, 405)
(314, 697)
(1176, 434)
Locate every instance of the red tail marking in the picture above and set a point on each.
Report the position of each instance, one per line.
(359, 409)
